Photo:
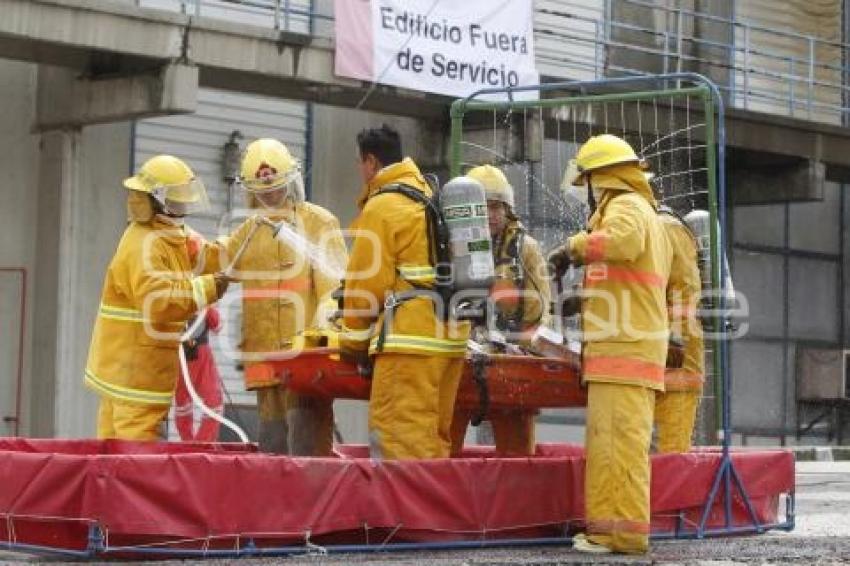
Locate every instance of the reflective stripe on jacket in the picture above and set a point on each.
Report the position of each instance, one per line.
(282, 286)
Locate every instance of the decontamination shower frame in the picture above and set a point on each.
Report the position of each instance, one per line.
(715, 142)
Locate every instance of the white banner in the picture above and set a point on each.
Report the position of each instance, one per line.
(447, 47)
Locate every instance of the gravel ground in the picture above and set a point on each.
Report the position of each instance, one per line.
(822, 536)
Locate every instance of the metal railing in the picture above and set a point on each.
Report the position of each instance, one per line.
(298, 16)
(753, 72)
(772, 70)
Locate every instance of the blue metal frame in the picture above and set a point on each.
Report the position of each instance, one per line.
(97, 549)
(251, 550)
(726, 472)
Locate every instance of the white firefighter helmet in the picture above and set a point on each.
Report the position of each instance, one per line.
(269, 170)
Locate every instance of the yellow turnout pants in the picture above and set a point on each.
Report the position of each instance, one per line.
(411, 406)
(617, 471)
(126, 420)
(675, 414)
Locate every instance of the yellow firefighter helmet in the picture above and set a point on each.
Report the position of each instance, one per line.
(496, 185)
(598, 152)
(172, 183)
(268, 166)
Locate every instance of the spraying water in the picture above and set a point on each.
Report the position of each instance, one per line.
(562, 217)
(329, 265)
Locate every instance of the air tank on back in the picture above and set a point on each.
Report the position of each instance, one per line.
(699, 221)
(464, 209)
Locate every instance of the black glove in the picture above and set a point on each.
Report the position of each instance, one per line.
(191, 350)
(221, 282)
(338, 294)
(571, 305)
(360, 358)
(559, 260)
(675, 352)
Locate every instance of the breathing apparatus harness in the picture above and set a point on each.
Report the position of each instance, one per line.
(439, 256)
(508, 253)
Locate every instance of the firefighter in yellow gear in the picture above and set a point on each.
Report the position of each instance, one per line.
(676, 407)
(625, 333)
(149, 293)
(284, 282)
(521, 297)
(418, 358)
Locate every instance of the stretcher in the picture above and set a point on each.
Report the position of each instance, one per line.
(521, 382)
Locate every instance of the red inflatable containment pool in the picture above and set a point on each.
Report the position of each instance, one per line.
(113, 498)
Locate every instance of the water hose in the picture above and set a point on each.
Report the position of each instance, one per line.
(200, 318)
(196, 399)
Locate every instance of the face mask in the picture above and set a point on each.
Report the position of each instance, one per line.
(139, 207)
(175, 209)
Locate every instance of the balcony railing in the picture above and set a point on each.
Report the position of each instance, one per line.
(760, 68)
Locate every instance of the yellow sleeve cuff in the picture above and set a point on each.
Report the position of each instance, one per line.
(578, 246)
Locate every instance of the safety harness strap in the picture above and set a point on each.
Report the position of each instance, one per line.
(511, 255)
(439, 256)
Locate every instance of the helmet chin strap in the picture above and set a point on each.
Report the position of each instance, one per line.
(170, 219)
(591, 199)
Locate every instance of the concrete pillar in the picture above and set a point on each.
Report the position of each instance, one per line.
(81, 216)
(70, 258)
(54, 184)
